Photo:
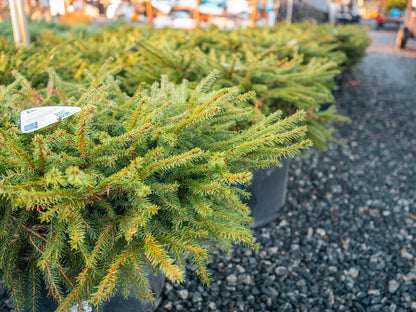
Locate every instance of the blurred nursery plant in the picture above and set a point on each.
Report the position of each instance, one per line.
(290, 67)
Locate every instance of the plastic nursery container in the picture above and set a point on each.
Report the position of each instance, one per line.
(268, 188)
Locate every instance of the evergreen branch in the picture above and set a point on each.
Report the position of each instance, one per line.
(239, 220)
(208, 187)
(200, 117)
(158, 256)
(61, 270)
(38, 140)
(4, 160)
(52, 245)
(62, 96)
(18, 152)
(175, 241)
(197, 114)
(135, 217)
(115, 87)
(234, 104)
(34, 245)
(33, 292)
(77, 233)
(158, 227)
(260, 131)
(203, 86)
(125, 138)
(11, 189)
(165, 187)
(54, 291)
(58, 266)
(251, 146)
(84, 274)
(136, 285)
(234, 234)
(253, 164)
(205, 277)
(24, 104)
(289, 151)
(159, 54)
(199, 234)
(87, 96)
(105, 235)
(233, 65)
(107, 284)
(107, 160)
(38, 100)
(204, 209)
(15, 296)
(236, 203)
(5, 224)
(146, 292)
(137, 93)
(140, 137)
(28, 229)
(169, 204)
(69, 299)
(37, 197)
(137, 112)
(136, 163)
(240, 178)
(250, 71)
(56, 137)
(5, 250)
(46, 215)
(173, 161)
(82, 129)
(10, 87)
(86, 224)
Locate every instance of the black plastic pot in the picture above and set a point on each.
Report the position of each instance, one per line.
(132, 304)
(268, 193)
(118, 303)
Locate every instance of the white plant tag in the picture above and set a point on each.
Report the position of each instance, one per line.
(33, 119)
(226, 65)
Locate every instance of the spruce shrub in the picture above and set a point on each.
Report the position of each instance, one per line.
(130, 183)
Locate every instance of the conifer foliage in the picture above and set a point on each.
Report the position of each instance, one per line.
(290, 67)
(130, 183)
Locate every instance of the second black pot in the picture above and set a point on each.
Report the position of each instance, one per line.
(268, 193)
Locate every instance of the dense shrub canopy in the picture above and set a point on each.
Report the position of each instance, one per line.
(127, 183)
(290, 67)
(148, 174)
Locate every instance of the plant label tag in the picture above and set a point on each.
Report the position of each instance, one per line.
(33, 119)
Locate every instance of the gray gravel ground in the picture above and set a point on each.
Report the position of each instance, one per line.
(346, 238)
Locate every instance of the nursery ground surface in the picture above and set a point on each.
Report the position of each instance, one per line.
(346, 238)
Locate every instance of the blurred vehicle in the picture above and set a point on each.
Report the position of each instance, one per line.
(396, 16)
(391, 12)
(347, 15)
(408, 29)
